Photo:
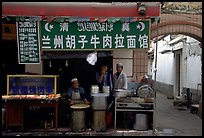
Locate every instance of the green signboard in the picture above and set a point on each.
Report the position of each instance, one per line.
(28, 42)
(90, 35)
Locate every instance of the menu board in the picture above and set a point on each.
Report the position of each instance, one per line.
(28, 42)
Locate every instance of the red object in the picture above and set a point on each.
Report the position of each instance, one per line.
(14, 114)
(109, 118)
(92, 19)
(76, 9)
(15, 110)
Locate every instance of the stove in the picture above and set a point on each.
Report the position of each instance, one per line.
(129, 102)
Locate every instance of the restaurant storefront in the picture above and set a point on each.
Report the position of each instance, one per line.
(54, 39)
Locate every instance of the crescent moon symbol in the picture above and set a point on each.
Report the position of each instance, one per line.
(46, 27)
(143, 26)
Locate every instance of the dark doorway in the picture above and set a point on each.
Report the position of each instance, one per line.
(77, 67)
(178, 71)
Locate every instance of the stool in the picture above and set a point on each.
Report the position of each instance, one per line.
(49, 124)
(194, 108)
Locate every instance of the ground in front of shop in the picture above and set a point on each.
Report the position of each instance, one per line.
(66, 131)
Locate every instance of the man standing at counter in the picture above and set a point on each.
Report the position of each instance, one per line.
(120, 82)
(119, 78)
(104, 78)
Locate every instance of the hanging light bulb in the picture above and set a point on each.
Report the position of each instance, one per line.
(50, 64)
(66, 63)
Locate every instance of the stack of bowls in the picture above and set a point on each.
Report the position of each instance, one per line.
(106, 89)
(94, 89)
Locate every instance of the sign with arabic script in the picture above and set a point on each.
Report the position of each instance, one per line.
(90, 35)
(31, 84)
(28, 42)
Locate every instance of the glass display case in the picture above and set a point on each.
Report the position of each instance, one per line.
(31, 84)
(27, 92)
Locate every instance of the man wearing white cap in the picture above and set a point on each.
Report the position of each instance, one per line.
(76, 93)
(120, 78)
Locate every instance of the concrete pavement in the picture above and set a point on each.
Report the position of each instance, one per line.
(175, 121)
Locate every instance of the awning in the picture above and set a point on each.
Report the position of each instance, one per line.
(81, 9)
(176, 40)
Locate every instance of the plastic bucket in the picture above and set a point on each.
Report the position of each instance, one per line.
(140, 122)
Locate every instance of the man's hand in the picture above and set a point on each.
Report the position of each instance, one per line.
(86, 102)
(103, 72)
(71, 103)
(64, 94)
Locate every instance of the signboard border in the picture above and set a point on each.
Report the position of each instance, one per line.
(100, 49)
(39, 47)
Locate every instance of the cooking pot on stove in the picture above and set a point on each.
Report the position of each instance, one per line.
(122, 93)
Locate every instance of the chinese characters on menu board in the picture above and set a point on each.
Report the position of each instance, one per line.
(28, 42)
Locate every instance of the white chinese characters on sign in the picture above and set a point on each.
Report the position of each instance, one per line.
(131, 41)
(94, 40)
(64, 26)
(46, 42)
(70, 42)
(143, 41)
(95, 35)
(28, 41)
(107, 41)
(125, 27)
(58, 41)
(27, 24)
(119, 41)
(83, 41)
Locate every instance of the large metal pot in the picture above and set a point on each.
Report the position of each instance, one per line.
(78, 117)
(99, 120)
(99, 101)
